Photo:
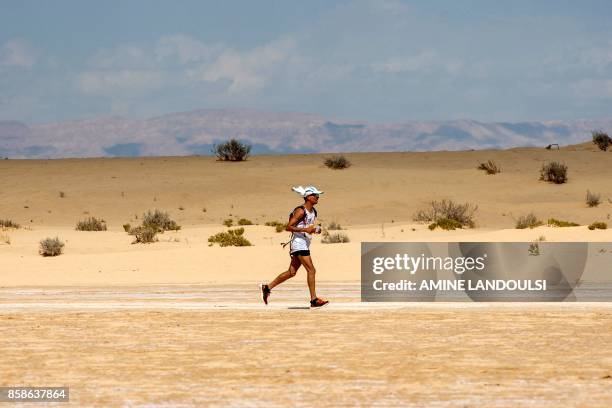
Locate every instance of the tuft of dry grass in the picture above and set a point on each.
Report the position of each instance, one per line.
(554, 172)
(553, 222)
(51, 247)
(91, 224)
(528, 221)
(337, 238)
(490, 167)
(334, 226)
(337, 162)
(448, 210)
(592, 199)
(143, 234)
(8, 224)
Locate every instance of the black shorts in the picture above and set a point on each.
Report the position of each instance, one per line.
(305, 252)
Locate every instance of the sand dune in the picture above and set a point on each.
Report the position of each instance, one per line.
(375, 200)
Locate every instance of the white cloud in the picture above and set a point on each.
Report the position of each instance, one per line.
(181, 60)
(251, 70)
(17, 53)
(184, 47)
(423, 62)
(122, 57)
(109, 82)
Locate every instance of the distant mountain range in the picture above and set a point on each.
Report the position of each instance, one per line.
(195, 133)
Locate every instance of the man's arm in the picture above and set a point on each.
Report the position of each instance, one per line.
(297, 215)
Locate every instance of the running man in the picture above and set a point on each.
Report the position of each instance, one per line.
(301, 225)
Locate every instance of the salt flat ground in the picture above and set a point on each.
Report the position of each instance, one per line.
(216, 345)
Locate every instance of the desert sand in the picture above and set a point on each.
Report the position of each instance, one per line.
(180, 323)
(375, 200)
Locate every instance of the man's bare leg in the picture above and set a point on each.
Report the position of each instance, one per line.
(289, 273)
(310, 269)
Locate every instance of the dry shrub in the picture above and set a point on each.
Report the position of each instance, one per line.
(143, 234)
(554, 172)
(528, 221)
(337, 238)
(334, 226)
(91, 224)
(490, 167)
(244, 221)
(8, 224)
(232, 150)
(448, 210)
(229, 238)
(159, 221)
(598, 225)
(445, 224)
(592, 199)
(228, 222)
(601, 139)
(279, 226)
(553, 222)
(337, 162)
(51, 247)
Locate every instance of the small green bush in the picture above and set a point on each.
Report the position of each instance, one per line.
(51, 247)
(528, 221)
(592, 199)
(334, 226)
(229, 238)
(91, 224)
(232, 150)
(490, 167)
(448, 209)
(337, 238)
(280, 227)
(554, 172)
(159, 221)
(337, 162)
(601, 139)
(144, 234)
(553, 222)
(244, 221)
(8, 224)
(445, 224)
(598, 225)
(228, 222)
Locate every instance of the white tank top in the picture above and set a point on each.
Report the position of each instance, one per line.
(301, 240)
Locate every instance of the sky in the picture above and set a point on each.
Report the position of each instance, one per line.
(376, 61)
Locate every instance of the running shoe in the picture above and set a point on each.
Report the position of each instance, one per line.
(265, 292)
(316, 302)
